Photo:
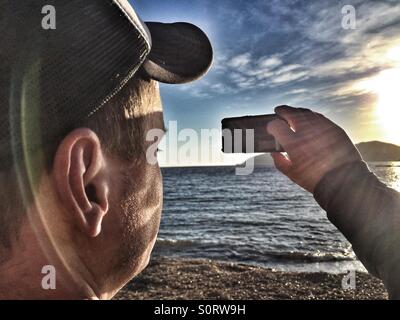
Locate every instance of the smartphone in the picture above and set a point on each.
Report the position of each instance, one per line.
(249, 135)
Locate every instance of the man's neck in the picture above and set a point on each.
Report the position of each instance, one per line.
(27, 273)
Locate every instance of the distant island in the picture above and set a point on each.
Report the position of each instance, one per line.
(262, 160)
(376, 151)
(371, 151)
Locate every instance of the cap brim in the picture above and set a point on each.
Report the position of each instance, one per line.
(180, 53)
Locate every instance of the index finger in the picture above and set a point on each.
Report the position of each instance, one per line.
(298, 118)
(281, 131)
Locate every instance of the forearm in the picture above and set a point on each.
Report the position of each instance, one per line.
(367, 212)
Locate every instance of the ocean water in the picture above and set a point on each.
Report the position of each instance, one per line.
(262, 219)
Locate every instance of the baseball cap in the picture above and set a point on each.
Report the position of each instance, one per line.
(54, 78)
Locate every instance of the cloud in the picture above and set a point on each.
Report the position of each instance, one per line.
(297, 91)
(269, 62)
(289, 76)
(240, 61)
(268, 71)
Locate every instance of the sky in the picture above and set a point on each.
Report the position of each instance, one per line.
(294, 52)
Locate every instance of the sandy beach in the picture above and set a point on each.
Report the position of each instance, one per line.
(168, 278)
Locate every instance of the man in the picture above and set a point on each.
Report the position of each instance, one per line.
(80, 204)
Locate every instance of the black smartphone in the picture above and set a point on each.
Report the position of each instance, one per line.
(249, 135)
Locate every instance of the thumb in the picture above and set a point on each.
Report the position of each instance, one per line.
(282, 163)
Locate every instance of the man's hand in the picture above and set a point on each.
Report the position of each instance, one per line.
(313, 143)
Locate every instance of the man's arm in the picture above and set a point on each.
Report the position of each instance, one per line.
(323, 160)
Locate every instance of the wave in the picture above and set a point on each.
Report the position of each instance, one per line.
(298, 256)
(174, 244)
(200, 249)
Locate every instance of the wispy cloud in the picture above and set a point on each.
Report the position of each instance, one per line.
(240, 62)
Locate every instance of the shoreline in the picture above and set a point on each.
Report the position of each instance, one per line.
(202, 279)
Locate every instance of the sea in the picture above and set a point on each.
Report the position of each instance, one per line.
(262, 219)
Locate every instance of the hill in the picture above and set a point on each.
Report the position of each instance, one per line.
(262, 160)
(375, 151)
(372, 151)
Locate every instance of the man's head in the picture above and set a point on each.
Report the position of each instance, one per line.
(97, 203)
(79, 192)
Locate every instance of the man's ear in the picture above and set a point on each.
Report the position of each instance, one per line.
(81, 179)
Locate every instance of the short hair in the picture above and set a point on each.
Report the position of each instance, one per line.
(118, 135)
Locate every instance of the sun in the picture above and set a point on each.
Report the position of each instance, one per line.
(387, 88)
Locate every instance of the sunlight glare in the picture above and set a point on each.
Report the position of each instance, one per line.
(387, 87)
(393, 54)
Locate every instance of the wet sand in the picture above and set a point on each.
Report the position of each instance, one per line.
(167, 278)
